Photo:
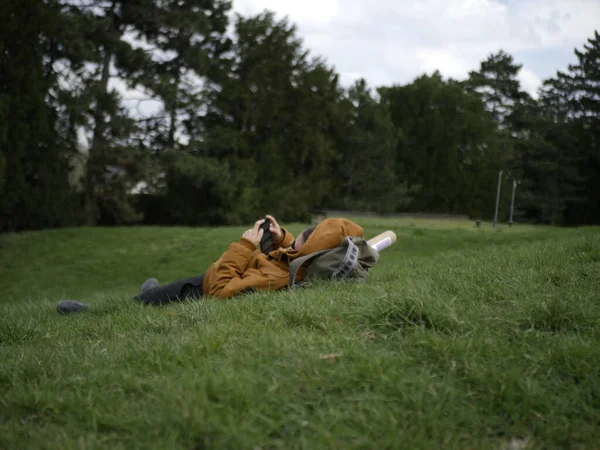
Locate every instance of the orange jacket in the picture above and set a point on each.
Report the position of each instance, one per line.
(243, 267)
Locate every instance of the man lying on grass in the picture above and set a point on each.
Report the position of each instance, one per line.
(245, 268)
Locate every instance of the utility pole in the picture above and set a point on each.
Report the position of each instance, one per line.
(512, 202)
(498, 198)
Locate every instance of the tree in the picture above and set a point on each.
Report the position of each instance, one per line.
(548, 167)
(537, 152)
(497, 83)
(111, 155)
(2, 172)
(448, 146)
(270, 120)
(187, 39)
(366, 155)
(33, 157)
(576, 92)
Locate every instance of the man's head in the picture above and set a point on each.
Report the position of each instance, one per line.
(302, 238)
(329, 234)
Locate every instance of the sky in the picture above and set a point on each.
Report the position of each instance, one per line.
(394, 41)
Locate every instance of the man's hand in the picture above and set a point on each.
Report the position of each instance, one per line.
(275, 229)
(255, 234)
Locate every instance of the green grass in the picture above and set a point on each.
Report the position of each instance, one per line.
(462, 338)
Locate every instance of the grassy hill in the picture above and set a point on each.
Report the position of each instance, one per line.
(462, 338)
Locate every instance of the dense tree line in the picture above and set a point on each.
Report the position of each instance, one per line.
(250, 122)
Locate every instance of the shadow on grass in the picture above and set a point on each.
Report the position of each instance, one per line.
(561, 314)
(411, 314)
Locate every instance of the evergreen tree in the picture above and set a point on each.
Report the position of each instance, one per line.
(548, 168)
(522, 136)
(448, 147)
(366, 156)
(188, 42)
(270, 120)
(33, 158)
(255, 123)
(185, 41)
(111, 156)
(579, 89)
(497, 83)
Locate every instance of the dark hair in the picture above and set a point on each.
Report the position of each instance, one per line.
(306, 234)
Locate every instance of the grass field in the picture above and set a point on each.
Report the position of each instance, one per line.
(462, 338)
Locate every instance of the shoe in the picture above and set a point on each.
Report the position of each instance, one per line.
(150, 283)
(70, 306)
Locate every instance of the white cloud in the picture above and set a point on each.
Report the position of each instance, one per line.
(394, 41)
(448, 61)
(559, 22)
(139, 102)
(320, 11)
(530, 82)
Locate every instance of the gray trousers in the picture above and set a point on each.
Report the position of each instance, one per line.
(188, 288)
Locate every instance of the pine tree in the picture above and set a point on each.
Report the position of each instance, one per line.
(188, 42)
(548, 167)
(448, 150)
(111, 159)
(33, 154)
(271, 120)
(579, 88)
(497, 83)
(367, 147)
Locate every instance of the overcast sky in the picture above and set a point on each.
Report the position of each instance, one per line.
(394, 41)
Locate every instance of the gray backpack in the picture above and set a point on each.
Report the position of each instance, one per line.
(351, 260)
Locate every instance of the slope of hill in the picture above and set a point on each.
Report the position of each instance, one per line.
(462, 338)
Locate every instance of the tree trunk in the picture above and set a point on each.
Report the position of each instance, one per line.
(94, 161)
(172, 127)
(95, 167)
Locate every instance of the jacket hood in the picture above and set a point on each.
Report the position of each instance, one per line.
(328, 234)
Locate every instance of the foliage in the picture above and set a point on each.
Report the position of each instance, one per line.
(188, 40)
(496, 82)
(448, 146)
(205, 190)
(273, 114)
(366, 156)
(2, 172)
(248, 120)
(33, 159)
(548, 168)
(580, 111)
